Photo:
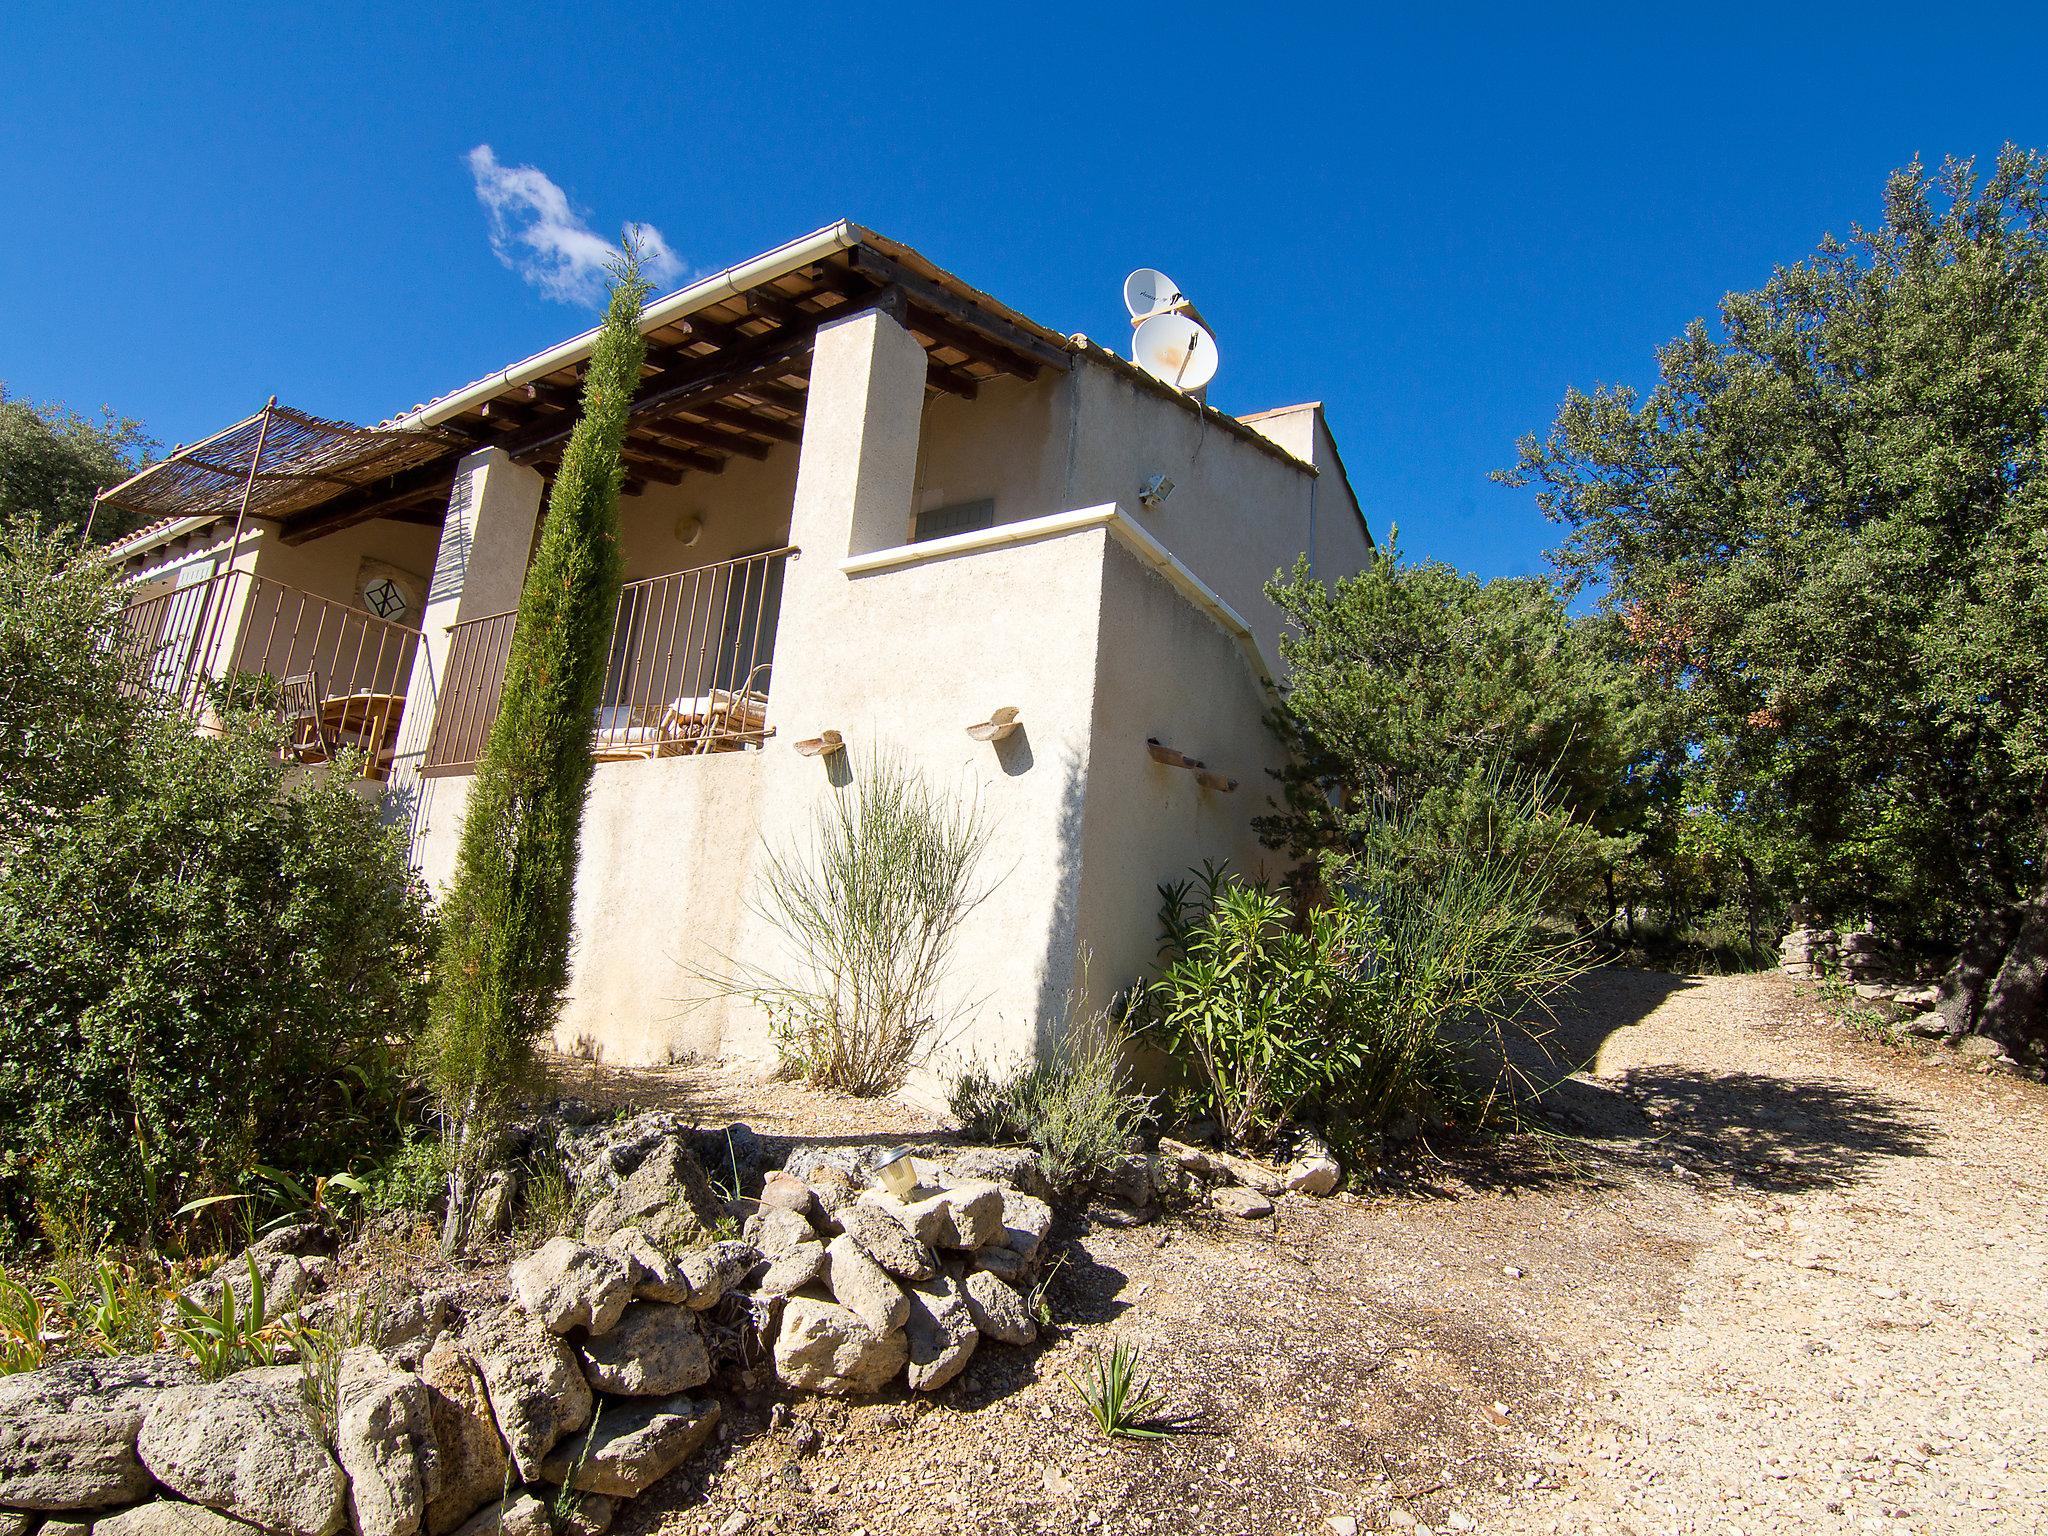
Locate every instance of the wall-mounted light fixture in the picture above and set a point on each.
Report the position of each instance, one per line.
(1153, 492)
(824, 744)
(997, 725)
(1205, 776)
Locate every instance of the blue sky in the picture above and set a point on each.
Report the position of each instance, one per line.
(1434, 219)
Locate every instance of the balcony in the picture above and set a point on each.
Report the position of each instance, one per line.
(686, 669)
(340, 674)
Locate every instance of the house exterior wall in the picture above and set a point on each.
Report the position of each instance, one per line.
(1164, 670)
(900, 647)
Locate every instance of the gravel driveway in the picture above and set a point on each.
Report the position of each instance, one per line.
(1781, 1277)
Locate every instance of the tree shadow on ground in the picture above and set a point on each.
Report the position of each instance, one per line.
(1760, 1131)
(1777, 1134)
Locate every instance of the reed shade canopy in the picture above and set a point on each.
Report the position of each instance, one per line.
(304, 462)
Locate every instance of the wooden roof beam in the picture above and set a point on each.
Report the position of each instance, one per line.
(705, 437)
(362, 505)
(666, 453)
(773, 427)
(978, 348)
(931, 297)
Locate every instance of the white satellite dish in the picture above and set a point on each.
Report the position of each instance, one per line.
(1148, 291)
(1175, 350)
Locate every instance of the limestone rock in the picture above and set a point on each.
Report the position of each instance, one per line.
(520, 1515)
(68, 1527)
(666, 1196)
(67, 1432)
(842, 1166)
(1026, 1221)
(246, 1447)
(470, 1455)
(1018, 1168)
(490, 1215)
(655, 1275)
(823, 1347)
(1004, 1263)
(788, 1273)
(567, 1284)
(384, 1439)
(656, 1350)
(1128, 1182)
(1314, 1175)
(941, 1333)
(964, 1215)
(634, 1446)
(1236, 1200)
(784, 1191)
(997, 1310)
(715, 1270)
(885, 1239)
(536, 1388)
(774, 1230)
(863, 1287)
(167, 1517)
(1226, 1167)
(16, 1522)
(831, 1187)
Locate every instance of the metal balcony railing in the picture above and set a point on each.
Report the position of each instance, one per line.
(686, 668)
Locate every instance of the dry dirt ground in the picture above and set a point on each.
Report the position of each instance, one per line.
(1782, 1277)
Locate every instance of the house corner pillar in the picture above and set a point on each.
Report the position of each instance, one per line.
(479, 569)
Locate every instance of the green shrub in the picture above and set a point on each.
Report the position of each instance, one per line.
(207, 964)
(1076, 1107)
(868, 912)
(1396, 990)
(412, 1177)
(1263, 1013)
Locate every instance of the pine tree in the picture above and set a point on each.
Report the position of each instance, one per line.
(504, 956)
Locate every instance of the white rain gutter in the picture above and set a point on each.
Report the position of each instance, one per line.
(730, 283)
(1120, 525)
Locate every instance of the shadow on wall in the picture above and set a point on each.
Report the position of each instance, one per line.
(1059, 990)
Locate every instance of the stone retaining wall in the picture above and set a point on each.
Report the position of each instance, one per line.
(590, 1377)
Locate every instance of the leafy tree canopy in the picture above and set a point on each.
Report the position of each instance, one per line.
(209, 960)
(53, 461)
(1419, 689)
(1826, 526)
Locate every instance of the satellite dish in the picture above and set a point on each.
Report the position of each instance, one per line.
(1175, 350)
(1148, 291)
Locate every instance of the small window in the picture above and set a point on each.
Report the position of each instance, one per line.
(961, 517)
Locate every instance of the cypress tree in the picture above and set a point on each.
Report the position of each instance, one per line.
(504, 957)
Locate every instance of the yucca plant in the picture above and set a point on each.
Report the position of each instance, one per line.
(1121, 1401)
(114, 1310)
(22, 1323)
(231, 1337)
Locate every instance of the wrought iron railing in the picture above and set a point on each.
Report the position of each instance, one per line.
(347, 670)
(686, 668)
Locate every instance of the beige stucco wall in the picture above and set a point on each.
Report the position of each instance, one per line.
(668, 847)
(1164, 669)
(740, 511)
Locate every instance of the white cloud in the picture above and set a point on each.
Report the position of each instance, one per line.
(536, 233)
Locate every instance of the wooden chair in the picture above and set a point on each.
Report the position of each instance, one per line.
(305, 712)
